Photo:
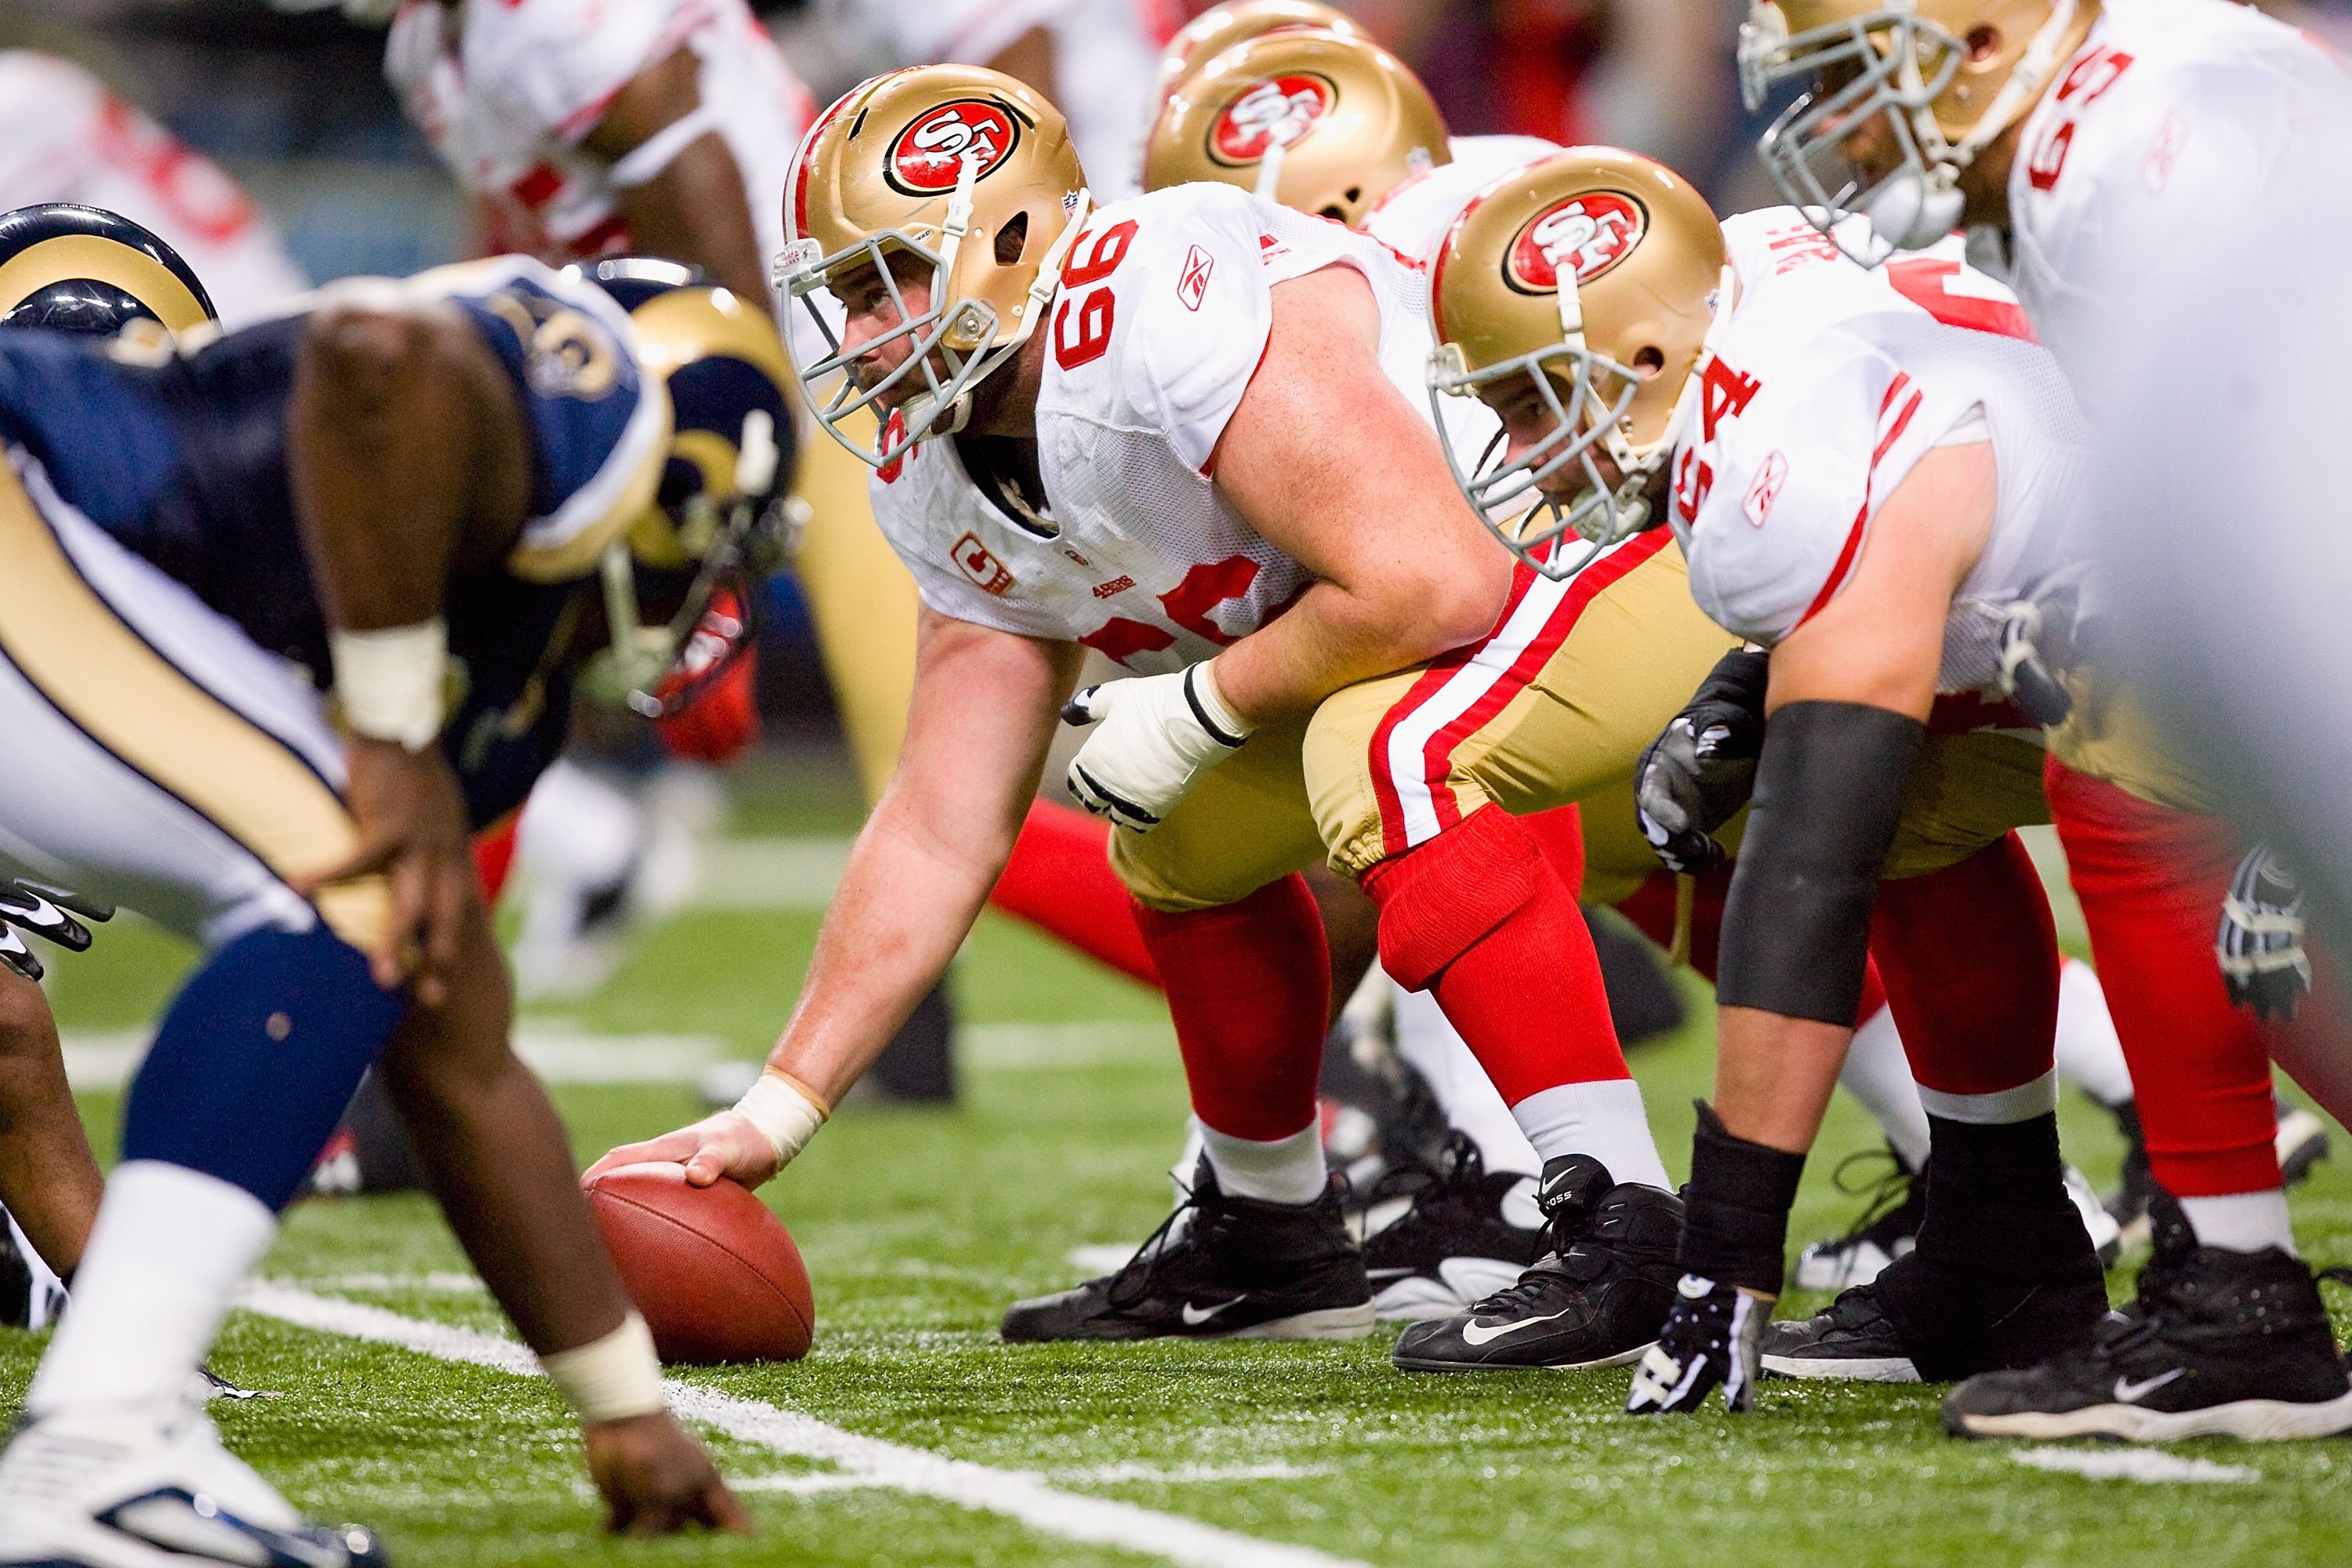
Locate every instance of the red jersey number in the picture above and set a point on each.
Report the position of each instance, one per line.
(1204, 587)
(2086, 82)
(1928, 283)
(1093, 314)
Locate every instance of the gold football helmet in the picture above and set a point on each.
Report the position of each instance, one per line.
(1946, 77)
(1601, 275)
(1220, 28)
(972, 175)
(1324, 123)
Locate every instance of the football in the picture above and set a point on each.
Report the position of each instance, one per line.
(715, 1272)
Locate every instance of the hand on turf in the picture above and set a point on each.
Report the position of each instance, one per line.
(1696, 775)
(412, 829)
(657, 1480)
(1157, 734)
(724, 1143)
(1713, 1338)
(2260, 943)
(43, 910)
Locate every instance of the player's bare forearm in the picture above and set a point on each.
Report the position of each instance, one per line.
(983, 712)
(49, 1179)
(693, 209)
(498, 1157)
(406, 455)
(1773, 1075)
(1327, 461)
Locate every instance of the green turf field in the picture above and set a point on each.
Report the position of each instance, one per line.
(920, 1226)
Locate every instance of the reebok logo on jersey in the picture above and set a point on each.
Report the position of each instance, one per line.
(1756, 504)
(1116, 585)
(974, 559)
(1192, 283)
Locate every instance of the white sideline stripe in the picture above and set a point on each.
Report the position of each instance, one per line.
(1102, 1521)
(2153, 1466)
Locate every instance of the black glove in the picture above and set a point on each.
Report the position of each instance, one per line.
(2260, 944)
(2033, 643)
(1696, 775)
(1713, 1338)
(42, 910)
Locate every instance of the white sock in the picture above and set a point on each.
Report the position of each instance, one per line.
(2035, 1097)
(1437, 1049)
(1878, 1074)
(2089, 1055)
(1280, 1170)
(1604, 1119)
(169, 1250)
(2242, 1222)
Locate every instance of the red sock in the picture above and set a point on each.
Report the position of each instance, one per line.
(1059, 881)
(2151, 881)
(1478, 914)
(1558, 836)
(1249, 985)
(1970, 959)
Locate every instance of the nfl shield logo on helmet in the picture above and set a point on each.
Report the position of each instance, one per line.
(1590, 232)
(926, 156)
(1276, 112)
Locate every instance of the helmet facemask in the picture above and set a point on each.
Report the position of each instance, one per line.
(1889, 64)
(962, 334)
(1589, 395)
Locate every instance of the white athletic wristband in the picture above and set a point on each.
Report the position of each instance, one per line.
(1208, 698)
(614, 1378)
(389, 683)
(786, 1113)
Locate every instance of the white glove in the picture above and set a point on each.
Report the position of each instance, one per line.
(1159, 733)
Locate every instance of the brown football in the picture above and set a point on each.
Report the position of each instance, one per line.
(712, 1268)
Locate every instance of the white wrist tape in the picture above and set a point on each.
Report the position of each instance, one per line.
(391, 683)
(786, 1113)
(612, 1378)
(660, 150)
(1227, 726)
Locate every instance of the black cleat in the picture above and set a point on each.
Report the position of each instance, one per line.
(1219, 1268)
(1853, 1338)
(1458, 1242)
(1888, 1229)
(1596, 1299)
(2220, 1343)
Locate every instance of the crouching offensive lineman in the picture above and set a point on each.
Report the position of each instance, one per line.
(403, 486)
(1174, 430)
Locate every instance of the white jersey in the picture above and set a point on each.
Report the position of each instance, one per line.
(1412, 218)
(1828, 382)
(505, 89)
(2162, 129)
(1106, 59)
(1162, 321)
(64, 138)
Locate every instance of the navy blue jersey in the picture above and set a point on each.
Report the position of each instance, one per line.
(185, 462)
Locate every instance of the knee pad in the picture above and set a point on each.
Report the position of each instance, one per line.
(256, 1058)
(1438, 898)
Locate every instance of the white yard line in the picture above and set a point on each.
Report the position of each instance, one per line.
(861, 1460)
(2153, 1466)
(557, 1051)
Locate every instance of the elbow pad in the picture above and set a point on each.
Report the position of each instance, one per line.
(1828, 793)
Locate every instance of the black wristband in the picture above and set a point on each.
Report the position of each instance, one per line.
(1735, 1207)
(1828, 793)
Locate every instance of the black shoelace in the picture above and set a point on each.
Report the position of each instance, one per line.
(1144, 1266)
(1887, 1192)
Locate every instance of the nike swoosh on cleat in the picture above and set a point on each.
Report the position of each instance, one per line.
(1474, 1333)
(2130, 1393)
(1195, 1316)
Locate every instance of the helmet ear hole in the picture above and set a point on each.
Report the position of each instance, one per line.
(1983, 44)
(1355, 194)
(1013, 239)
(1649, 361)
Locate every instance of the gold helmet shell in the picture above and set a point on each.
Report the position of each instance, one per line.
(1323, 122)
(972, 175)
(1946, 77)
(1600, 276)
(1220, 28)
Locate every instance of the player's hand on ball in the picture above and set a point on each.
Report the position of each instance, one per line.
(1713, 1338)
(2260, 943)
(1156, 735)
(722, 1144)
(657, 1480)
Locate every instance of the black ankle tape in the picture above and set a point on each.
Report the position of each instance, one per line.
(1735, 1207)
(2013, 1164)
